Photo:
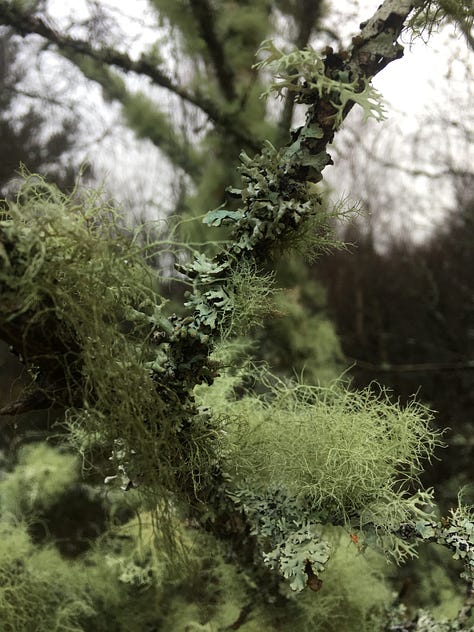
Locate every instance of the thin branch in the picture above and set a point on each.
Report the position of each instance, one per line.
(36, 400)
(204, 15)
(38, 97)
(466, 29)
(25, 25)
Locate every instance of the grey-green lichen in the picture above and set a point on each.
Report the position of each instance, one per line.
(456, 533)
(304, 73)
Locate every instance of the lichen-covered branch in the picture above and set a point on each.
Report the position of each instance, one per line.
(309, 12)
(277, 206)
(128, 373)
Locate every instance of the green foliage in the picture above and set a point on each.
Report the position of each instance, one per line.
(124, 583)
(303, 72)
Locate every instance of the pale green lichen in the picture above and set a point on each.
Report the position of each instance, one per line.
(72, 272)
(299, 456)
(42, 474)
(303, 72)
(338, 449)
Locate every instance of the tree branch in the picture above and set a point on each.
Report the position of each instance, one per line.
(372, 50)
(204, 15)
(25, 24)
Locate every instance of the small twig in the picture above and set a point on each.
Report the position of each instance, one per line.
(36, 400)
(241, 619)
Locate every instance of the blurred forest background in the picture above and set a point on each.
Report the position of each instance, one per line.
(394, 307)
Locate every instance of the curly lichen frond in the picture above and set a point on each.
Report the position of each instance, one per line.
(305, 73)
(347, 449)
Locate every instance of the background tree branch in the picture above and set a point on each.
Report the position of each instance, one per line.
(204, 14)
(26, 24)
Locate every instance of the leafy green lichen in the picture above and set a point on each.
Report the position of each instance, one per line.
(304, 73)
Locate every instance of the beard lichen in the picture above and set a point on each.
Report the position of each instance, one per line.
(74, 280)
